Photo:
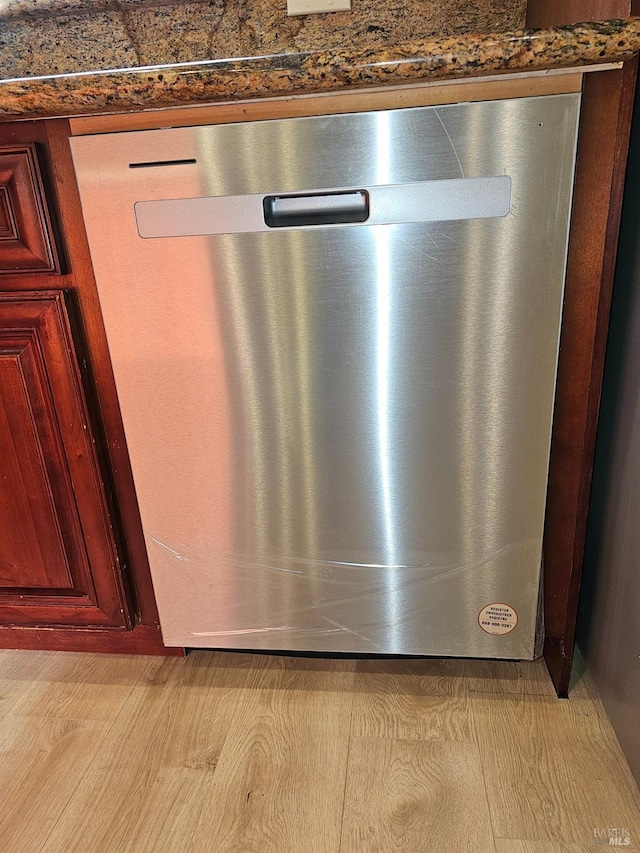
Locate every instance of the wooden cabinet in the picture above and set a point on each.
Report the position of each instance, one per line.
(58, 563)
(26, 235)
(73, 571)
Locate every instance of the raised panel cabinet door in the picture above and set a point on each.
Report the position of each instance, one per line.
(27, 244)
(58, 560)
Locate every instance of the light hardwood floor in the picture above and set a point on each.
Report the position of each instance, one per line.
(237, 753)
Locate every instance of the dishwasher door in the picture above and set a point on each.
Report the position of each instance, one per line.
(335, 344)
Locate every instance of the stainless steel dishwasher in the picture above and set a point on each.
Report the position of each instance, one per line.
(335, 343)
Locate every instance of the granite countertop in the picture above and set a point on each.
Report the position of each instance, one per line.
(71, 57)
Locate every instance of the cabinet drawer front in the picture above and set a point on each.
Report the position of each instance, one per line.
(26, 238)
(58, 561)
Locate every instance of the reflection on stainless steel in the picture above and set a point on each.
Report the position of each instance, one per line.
(339, 434)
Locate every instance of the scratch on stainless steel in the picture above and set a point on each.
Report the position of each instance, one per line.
(340, 593)
(340, 436)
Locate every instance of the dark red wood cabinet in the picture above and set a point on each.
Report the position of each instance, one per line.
(59, 564)
(58, 561)
(26, 239)
(73, 569)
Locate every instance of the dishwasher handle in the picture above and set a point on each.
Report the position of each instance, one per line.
(285, 211)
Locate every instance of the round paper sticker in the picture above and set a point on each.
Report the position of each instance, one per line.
(498, 619)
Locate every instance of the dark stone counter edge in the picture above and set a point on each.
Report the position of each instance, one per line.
(443, 58)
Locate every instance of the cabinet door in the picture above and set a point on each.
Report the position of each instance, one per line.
(58, 561)
(26, 236)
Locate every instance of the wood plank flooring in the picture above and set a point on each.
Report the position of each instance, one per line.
(238, 753)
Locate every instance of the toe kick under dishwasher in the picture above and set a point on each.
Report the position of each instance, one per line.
(335, 343)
